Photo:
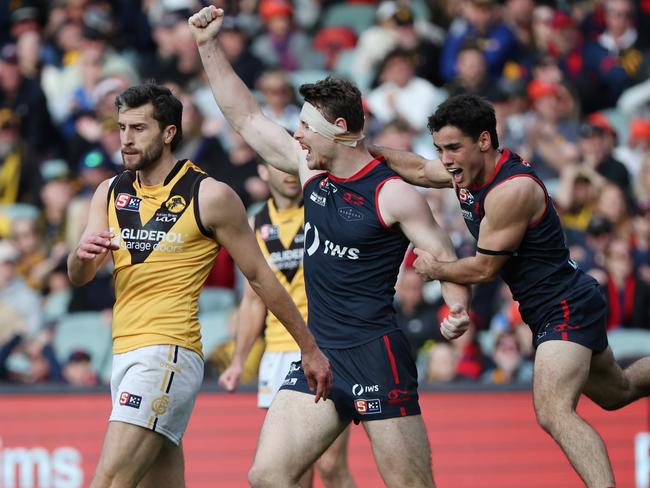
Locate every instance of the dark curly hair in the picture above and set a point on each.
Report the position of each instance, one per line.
(167, 109)
(471, 114)
(336, 97)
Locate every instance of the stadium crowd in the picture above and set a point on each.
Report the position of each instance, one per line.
(569, 81)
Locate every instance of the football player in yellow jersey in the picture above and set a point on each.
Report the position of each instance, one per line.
(164, 221)
(279, 229)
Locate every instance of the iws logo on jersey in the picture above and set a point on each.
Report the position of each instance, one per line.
(368, 407)
(269, 232)
(175, 204)
(350, 214)
(313, 244)
(124, 201)
(465, 196)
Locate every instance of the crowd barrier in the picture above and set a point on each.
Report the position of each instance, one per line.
(479, 439)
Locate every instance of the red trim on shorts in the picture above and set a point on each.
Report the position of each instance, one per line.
(565, 336)
(402, 411)
(379, 186)
(361, 173)
(565, 310)
(391, 358)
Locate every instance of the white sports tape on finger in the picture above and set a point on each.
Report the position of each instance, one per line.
(311, 116)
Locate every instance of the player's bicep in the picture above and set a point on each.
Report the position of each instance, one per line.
(402, 204)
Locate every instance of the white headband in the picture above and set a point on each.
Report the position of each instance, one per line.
(317, 123)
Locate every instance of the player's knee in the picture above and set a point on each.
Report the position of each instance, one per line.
(549, 419)
(330, 469)
(264, 476)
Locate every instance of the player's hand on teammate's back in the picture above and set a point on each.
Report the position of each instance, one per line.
(229, 379)
(318, 372)
(96, 244)
(206, 24)
(456, 323)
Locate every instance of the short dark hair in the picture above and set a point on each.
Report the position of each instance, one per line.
(167, 109)
(336, 97)
(470, 113)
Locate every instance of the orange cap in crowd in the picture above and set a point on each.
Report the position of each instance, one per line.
(540, 89)
(275, 8)
(639, 130)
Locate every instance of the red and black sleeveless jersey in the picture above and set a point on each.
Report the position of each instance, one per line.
(540, 272)
(351, 258)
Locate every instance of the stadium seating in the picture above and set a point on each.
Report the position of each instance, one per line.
(214, 329)
(357, 17)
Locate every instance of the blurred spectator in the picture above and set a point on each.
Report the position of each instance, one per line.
(161, 64)
(510, 365)
(576, 197)
(614, 206)
(95, 166)
(518, 15)
(55, 196)
(20, 307)
(442, 363)
(552, 134)
(642, 182)
(282, 44)
(34, 264)
(198, 144)
(596, 74)
(235, 46)
(471, 72)
(637, 149)
(26, 98)
(279, 99)
(417, 319)
(401, 95)
(622, 40)
(33, 360)
(78, 370)
(241, 172)
(480, 22)
(598, 235)
(627, 294)
(17, 180)
(331, 41)
(596, 145)
(60, 84)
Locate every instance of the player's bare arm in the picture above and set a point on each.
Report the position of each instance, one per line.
(271, 141)
(414, 168)
(509, 209)
(222, 212)
(250, 320)
(401, 204)
(95, 242)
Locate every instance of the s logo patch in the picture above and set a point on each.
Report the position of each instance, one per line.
(124, 201)
(129, 400)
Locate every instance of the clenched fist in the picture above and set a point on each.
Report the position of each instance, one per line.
(206, 24)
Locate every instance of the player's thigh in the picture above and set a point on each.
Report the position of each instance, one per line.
(296, 432)
(606, 382)
(337, 453)
(401, 450)
(561, 371)
(128, 452)
(167, 470)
